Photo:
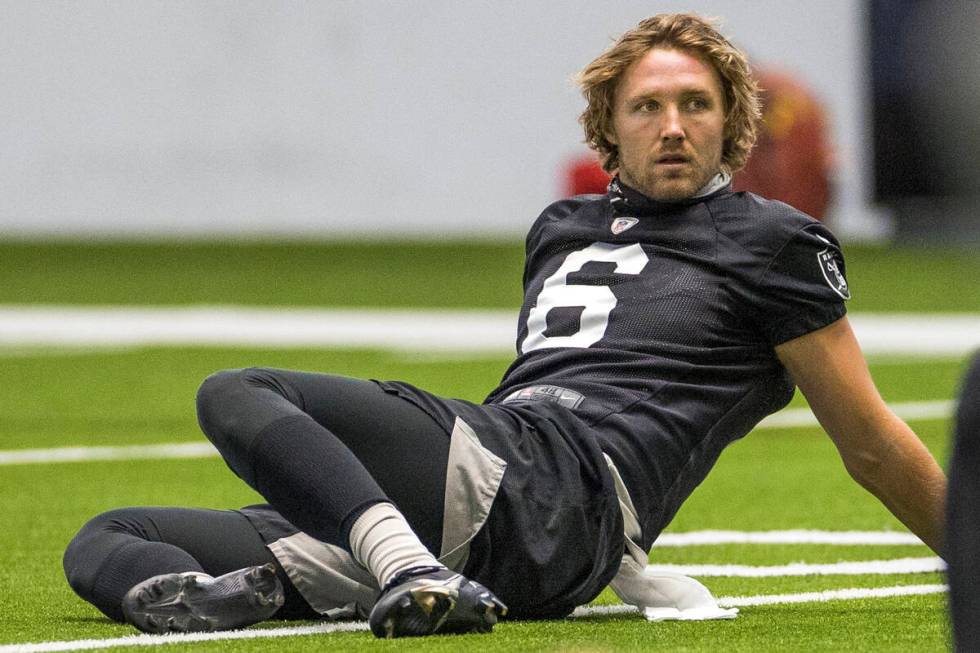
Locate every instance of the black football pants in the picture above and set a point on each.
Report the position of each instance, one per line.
(320, 448)
(123, 547)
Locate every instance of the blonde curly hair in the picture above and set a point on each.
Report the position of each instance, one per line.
(694, 35)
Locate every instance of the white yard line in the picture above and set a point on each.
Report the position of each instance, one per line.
(787, 418)
(48, 351)
(907, 410)
(832, 595)
(587, 611)
(407, 330)
(848, 594)
(854, 568)
(159, 640)
(88, 454)
(799, 536)
(404, 330)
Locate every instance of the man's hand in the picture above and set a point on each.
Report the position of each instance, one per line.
(878, 449)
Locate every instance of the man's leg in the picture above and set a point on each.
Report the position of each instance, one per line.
(963, 517)
(122, 548)
(322, 449)
(353, 466)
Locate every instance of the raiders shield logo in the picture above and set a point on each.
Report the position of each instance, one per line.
(831, 264)
(619, 225)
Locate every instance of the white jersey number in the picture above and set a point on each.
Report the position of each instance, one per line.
(597, 302)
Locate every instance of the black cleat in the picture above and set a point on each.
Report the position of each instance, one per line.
(430, 600)
(192, 602)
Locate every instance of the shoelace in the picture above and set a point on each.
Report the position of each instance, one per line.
(411, 573)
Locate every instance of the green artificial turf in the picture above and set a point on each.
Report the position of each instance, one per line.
(45, 504)
(146, 395)
(484, 274)
(772, 479)
(385, 274)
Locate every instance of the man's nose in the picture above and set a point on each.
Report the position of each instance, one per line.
(672, 129)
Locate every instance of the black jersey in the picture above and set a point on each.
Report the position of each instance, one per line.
(664, 318)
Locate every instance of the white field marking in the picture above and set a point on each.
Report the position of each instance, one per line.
(907, 410)
(848, 594)
(48, 351)
(584, 611)
(832, 595)
(798, 536)
(185, 638)
(904, 360)
(788, 417)
(870, 567)
(926, 334)
(435, 357)
(407, 330)
(434, 330)
(87, 454)
(443, 357)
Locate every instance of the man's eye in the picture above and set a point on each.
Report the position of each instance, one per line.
(697, 104)
(648, 106)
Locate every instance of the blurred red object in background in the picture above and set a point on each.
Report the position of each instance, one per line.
(792, 159)
(584, 176)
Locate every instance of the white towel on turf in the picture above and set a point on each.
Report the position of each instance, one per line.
(665, 595)
(661, 595)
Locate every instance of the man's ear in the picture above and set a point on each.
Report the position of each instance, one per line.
(610, 135)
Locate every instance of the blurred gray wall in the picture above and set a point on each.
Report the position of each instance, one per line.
(342, 118)
(939, 54)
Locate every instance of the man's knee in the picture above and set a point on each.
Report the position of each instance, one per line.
(235, 406)
(233, 400)
(217, 399)
(223, 413)
(94, 544)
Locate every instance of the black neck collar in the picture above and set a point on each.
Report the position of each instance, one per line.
(629, 200)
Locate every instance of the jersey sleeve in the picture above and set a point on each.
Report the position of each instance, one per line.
(804, 287)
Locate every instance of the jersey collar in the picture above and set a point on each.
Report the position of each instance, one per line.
(624, 198)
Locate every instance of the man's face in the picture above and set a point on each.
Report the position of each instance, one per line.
(669, 122)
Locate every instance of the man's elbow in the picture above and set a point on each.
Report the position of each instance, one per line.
(865, 467)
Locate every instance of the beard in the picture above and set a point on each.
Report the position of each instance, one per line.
(667, 183)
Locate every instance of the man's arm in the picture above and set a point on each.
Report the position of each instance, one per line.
(878, 449)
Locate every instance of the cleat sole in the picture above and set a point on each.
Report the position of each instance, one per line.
(191, 602)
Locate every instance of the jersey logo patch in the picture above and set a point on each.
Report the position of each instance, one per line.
(619, 225)
(830, 265)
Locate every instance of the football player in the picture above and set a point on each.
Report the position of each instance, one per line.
(661, 322)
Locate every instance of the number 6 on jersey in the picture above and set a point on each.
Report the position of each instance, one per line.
(597, 302)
